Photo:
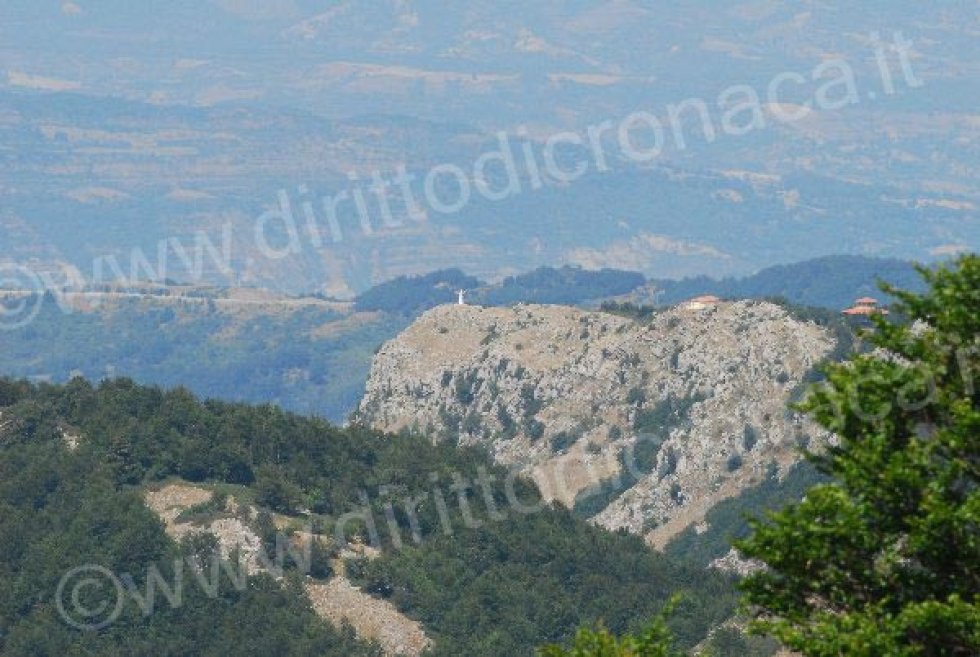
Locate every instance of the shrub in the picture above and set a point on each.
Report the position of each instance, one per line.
(563, 440)
(534, 429)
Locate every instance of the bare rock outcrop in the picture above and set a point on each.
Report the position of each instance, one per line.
(648, 424)
(337, 600)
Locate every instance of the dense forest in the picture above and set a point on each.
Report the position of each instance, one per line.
(62, 509)
(488, 585)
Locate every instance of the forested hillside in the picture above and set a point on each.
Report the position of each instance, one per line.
(310, 359)
(564, 285)
(534, 574)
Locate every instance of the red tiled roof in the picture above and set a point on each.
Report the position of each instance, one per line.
(865, 310)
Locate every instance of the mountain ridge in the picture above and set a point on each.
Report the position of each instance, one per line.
(680, 411)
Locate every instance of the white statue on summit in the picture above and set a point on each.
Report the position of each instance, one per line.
(462, 294)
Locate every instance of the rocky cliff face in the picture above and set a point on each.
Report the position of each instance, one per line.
(643, 425)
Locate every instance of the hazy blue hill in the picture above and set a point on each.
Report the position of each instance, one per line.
(564, 285)
(309, 361)
(413, 295)
(549, 285)
(316, 360)
(652, 53)
(830, 282)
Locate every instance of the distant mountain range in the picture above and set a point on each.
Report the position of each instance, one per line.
(107, 187)
(313, 356)
(136, 128)
(548, 62)
(831, 282)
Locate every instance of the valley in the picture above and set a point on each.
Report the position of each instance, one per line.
(561, 328)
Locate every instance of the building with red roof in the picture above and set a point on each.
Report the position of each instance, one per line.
(865, 306)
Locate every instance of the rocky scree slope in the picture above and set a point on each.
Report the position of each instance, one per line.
(640, 425)
(336, 600)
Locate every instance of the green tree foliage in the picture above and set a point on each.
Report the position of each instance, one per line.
(729, 641)
(508, 586)
(494, 581)
(885, 559)
(274, 490)
(60, 510)
(655, 641)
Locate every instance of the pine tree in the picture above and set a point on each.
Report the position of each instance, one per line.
(885, 559)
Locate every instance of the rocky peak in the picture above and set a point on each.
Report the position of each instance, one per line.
(642, 424)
